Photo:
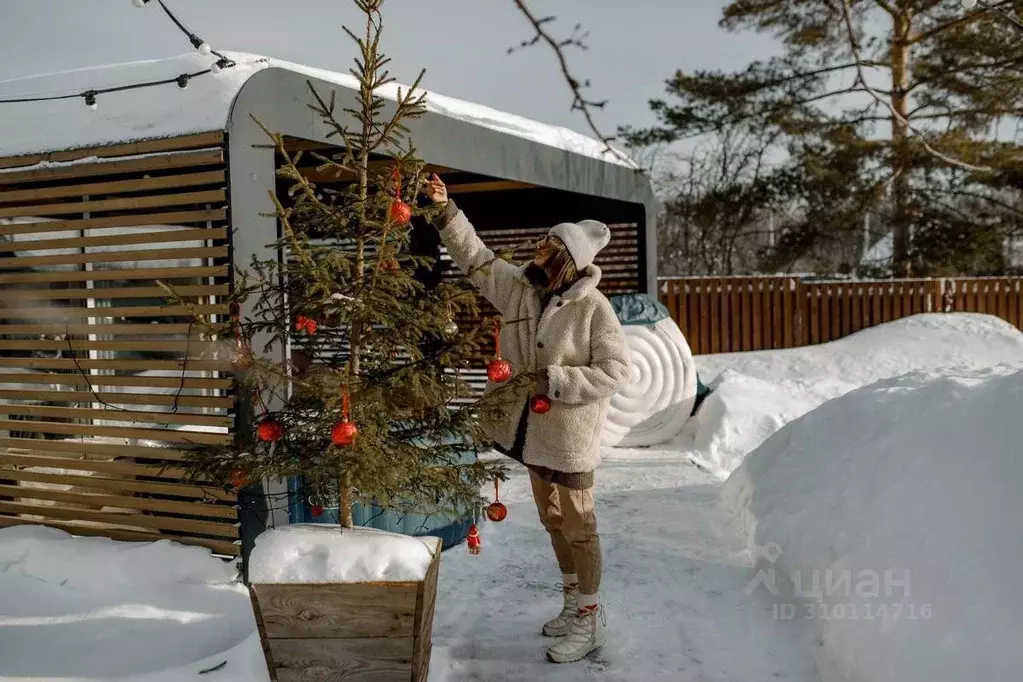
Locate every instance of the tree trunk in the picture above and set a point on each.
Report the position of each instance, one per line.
(344, 501)
(902, 216)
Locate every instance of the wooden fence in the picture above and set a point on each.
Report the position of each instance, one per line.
(103, 384)
(737, 314)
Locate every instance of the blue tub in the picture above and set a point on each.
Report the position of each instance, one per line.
(452, 530)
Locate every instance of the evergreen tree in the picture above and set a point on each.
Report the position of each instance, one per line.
(380, 353)
(905, 107)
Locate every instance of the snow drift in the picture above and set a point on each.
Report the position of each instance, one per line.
(755, 394)
(892, 513)
(89, 609)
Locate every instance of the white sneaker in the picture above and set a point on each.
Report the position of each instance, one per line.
(560, 625)
(585, 635)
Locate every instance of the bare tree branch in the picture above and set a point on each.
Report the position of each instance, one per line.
(862, 80)
(579, 102)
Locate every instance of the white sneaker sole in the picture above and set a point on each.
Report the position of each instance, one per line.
(575, 657)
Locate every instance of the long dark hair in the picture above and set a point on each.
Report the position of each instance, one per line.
(558, 271)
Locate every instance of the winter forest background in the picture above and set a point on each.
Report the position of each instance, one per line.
(841, 137)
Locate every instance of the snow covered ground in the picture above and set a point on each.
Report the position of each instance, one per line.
(755, 394)
(675, 573)
(91, 609)
(889, 519)
(865, 467)
(676, 566)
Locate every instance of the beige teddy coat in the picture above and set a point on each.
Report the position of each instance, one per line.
(577, 338)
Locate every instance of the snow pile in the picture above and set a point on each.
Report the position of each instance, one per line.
(92, 609)
(97, 564)
(320, 553)
(894, 512)
(755, 394)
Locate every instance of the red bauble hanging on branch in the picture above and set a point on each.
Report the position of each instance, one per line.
(238, 478)
(499, 370)
(345, 431)
(540, 404)
(497, 512)
(269, 430)
(399, 212)
(316, 510)
(306, 324)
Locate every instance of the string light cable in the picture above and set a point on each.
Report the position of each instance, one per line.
(988, 7)
(90, 96)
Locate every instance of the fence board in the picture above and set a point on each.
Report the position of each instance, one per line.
(742, 314)
(89, 441)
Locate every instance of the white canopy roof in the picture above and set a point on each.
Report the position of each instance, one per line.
(204, 105)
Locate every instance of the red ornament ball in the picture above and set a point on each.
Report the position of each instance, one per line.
(269, 430)
(499, 370)
(400, 212)
(391, 265)
(238, 478)
(343, 433)
(306, 324)
(540, 404)
(316, 510)
(497, 512)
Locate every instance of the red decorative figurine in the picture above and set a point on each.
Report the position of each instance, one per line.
(540, 404)
(269, 430)
(344, 432)
(473, 540)
(497, 512)
(499, 370)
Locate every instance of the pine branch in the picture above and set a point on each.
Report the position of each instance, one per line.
(862, 80)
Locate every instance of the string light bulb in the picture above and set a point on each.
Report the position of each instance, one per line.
(90, 100)
(968, 4)
(183, 81)
(139, 3)
(205, 50)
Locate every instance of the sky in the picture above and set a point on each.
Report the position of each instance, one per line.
(634, 45)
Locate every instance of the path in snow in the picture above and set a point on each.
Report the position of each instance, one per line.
(675, 572)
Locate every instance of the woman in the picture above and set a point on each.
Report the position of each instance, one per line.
(568, 334)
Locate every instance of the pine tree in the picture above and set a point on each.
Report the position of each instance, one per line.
(382, 351)
(904, 107)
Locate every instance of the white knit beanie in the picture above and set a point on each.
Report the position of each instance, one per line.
(583, 240)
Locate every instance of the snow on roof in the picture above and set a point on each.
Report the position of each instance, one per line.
(205, 105)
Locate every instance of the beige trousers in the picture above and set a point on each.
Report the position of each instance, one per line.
(569, 517)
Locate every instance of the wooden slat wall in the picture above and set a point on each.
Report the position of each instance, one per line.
(738, 314)
(105, 385)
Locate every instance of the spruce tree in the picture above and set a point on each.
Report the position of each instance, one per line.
(904, 108)
(381, 352)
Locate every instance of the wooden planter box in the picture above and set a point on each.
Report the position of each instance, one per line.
(356, 632)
